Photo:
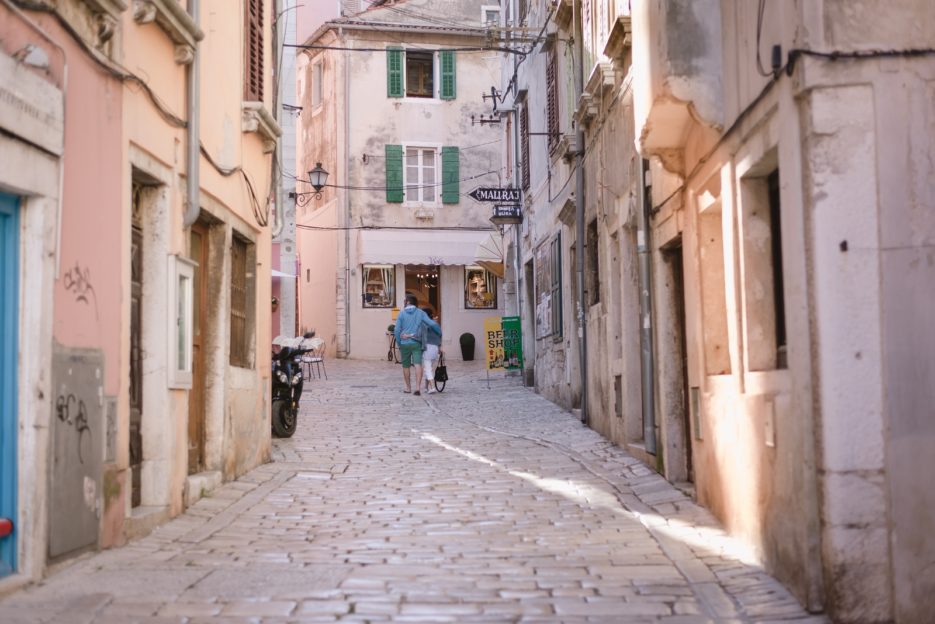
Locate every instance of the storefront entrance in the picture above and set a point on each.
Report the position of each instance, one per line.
(422, 281)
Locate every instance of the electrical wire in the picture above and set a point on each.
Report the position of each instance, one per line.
(761, 9)
(110, 66)
(118, 71)
(379, 156)
(408, 186)
(793, 58)
(431, 19)
(305, 46)
(439, 228)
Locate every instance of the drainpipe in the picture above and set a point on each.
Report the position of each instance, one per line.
(517, 234)
(647, 363)
(347, 201)
(579, 220)
(193, 205)
(277, 212)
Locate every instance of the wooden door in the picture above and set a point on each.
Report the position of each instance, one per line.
(196, 398)
(136, 349)
(9, 312)
(674, 256)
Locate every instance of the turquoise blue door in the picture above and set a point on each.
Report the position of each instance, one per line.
(9, 304)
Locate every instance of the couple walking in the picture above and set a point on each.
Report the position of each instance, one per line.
(419, 339)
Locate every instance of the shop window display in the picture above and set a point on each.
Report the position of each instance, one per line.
(379, 288)
(480, 289)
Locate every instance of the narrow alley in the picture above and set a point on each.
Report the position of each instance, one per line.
(473, 505)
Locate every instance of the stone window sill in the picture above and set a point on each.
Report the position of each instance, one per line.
(620, 40)
(256, 118)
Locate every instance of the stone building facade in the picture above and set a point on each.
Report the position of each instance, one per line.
(390, 107)
(757, 193)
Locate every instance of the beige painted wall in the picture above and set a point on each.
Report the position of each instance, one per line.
(235, 398)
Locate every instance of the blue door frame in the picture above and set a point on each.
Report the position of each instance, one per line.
(9, 339)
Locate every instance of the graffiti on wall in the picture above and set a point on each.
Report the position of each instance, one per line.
(71, 411)
(77, 281)
(78, 439)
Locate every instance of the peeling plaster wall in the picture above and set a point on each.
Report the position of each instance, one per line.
(678, 47)
(320, 139)
(819, 467)
(380, 121)
(870, 184)
(907, 117)
(611, 192)
(357, 160)
(750, 431)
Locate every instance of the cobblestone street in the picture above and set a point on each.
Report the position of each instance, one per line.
(473, 505)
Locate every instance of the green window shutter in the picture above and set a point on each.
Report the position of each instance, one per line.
(394, 174)
(447, 58)
(394, 72)
(451, 175)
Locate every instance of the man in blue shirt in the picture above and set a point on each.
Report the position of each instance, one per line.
(408, 330)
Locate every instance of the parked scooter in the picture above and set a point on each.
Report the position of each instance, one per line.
(288, 382)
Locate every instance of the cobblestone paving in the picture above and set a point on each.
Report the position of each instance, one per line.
(474, 505)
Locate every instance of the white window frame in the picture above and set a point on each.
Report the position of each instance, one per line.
(181, 321)
(436, 76)
(437, 147)
(319, 68)
(365, 272)
(491, 7)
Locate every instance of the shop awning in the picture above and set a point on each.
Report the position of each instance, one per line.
(433, 247)
(489, 253)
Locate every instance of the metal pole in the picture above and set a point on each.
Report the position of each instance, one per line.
(517, 240)
(579, 220)
(647, 363)
(193, 149)
(285, 30)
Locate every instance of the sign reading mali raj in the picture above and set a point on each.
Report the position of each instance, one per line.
(504, 343)
(501, 195)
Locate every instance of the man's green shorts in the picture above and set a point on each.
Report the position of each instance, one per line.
(411, 354)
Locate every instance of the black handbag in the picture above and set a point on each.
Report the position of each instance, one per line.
(441, 371)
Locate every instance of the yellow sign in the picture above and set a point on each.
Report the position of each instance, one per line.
(503, 343)
(493, 342)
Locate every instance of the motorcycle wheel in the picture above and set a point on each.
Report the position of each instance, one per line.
(284, 419)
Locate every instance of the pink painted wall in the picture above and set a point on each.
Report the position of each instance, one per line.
(87, 296)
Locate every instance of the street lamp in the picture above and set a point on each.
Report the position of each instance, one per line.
(318, 178)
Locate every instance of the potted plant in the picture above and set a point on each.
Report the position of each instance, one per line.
(467, 346)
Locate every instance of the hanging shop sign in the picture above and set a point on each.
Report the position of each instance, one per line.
(507, 214)
(494, 195)
(503, 344)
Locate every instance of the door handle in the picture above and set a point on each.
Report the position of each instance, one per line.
(6, 527)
